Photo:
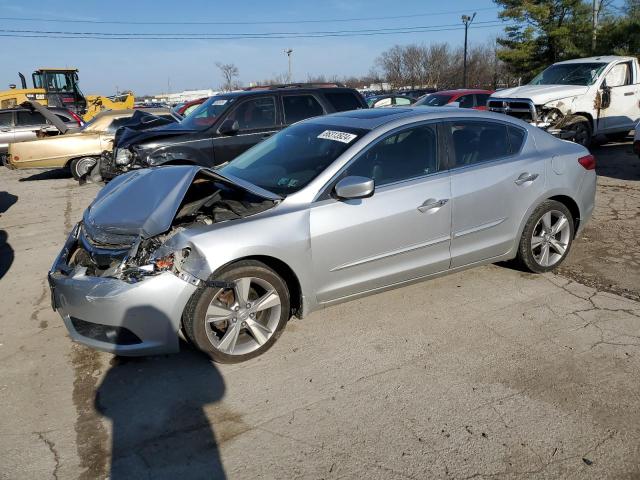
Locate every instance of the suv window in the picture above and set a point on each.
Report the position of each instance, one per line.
(343, 101)
(255, 113)
(477, 142)
(30, 118)
(5, 119)
(402, 101)
(466, 101)
(408, 154)
(299, 107)
(481, 99)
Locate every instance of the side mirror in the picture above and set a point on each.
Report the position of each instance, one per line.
(350, 188)
(229, 127)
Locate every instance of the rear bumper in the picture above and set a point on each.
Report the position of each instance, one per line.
(115, 316)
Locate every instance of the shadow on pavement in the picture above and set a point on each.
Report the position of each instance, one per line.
(617, 160)
(156, 406)
(48, 175)
(6, 252)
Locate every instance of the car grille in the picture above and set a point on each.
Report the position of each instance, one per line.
(519, 108)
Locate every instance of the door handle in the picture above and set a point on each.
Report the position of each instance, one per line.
(526, 177)
(432, 204)
(629, 93)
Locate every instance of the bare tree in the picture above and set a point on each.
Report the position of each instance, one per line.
(229, 73)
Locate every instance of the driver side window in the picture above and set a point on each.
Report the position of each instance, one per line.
(411, 153)
(255, 114)
(619, 75)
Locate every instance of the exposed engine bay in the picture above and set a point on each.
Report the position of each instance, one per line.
(207, 200)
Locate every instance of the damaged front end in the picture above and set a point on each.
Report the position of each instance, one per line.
(125, 266)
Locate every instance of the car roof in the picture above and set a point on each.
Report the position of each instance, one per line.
(461, 91)
(600, 59)
(267, 91)
(373, 118)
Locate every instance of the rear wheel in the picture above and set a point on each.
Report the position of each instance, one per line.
(232, 325)
(547, 237)
(81, 166)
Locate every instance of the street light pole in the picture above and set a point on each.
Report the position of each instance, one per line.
(466, 19)
(289, 51)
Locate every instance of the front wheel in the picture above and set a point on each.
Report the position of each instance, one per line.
(581, 128)
(232, 325)
(547, 237)
(80, 166)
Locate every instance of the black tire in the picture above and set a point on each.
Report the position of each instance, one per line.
(81, 166)
(194, 315)
(4, 161)
(617, 137)
(525, 253)
(582, 127)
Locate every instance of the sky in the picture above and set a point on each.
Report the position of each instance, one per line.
(151, 66)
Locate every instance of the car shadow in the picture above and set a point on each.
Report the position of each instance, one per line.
(7, 255)
(617, 160)
(156, 406)
(56, 174)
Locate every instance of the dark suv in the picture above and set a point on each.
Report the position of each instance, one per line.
(226, 125)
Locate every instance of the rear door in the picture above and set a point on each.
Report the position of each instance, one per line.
(622, 113)
(6, 130)
(400, 233)
(494, 180)
(27, 124)
(257, 118)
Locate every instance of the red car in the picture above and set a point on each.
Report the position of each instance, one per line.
(189, 107)
(466, 98)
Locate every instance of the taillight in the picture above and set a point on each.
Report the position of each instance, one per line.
(75, 117)
(588, 162)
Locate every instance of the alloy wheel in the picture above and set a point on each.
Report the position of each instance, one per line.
(240, 320)
(550, 238)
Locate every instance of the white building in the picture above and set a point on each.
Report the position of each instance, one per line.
(184, 96)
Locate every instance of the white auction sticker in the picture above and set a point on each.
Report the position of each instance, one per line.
(343, 137)
(219, 102)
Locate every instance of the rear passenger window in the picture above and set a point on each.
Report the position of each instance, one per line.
(343, 101)
(299, 107)
(409, 154)
(5, 119)
(466, 101)
(30, 118)
(403, 101)
(516, 139)
(481, 99)
(477, 142)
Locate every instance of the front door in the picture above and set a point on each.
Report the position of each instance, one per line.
(400, 233)
(494, 180)
(257, 119)
(623, 110)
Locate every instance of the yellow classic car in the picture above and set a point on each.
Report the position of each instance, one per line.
(77, 151)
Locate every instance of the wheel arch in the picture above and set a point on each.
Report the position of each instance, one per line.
(287, 274)
(588, 116)
(573, 207)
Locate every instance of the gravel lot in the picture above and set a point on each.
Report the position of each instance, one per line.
(487, 373)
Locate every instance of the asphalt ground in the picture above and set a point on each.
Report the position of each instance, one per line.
(488, 373)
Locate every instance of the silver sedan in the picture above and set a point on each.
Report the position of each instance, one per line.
(330, 209)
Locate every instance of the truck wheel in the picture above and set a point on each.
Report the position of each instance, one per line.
(582, 128)
(81, 166)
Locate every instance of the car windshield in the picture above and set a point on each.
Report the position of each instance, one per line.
(569, 74)
(289, 160)
(434, 100)
(206, 114)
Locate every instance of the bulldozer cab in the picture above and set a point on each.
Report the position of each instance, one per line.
(61, 88)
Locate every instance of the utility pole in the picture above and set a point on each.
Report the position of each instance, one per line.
(289, 51)
(466, 19)
(597, 5)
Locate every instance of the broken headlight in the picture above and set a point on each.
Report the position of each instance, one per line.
(123, 156)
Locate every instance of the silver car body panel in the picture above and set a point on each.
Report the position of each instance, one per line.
(343, 249)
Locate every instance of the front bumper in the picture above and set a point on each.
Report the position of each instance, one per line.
(115, 316)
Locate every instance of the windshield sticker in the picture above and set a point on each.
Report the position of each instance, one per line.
(337, 136)
(219, 102)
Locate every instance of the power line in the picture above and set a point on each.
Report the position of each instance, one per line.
(238, 34)
(96, 36)
(265, 22)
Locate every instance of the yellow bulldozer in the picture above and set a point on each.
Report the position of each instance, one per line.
(58, 87)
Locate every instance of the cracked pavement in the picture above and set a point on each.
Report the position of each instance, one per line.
(488, 373)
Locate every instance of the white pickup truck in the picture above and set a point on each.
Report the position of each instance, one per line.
(578, 99)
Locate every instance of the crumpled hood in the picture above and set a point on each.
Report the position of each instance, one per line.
(139, 203)
(143, 203)
(125, 136)
(541, 94)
